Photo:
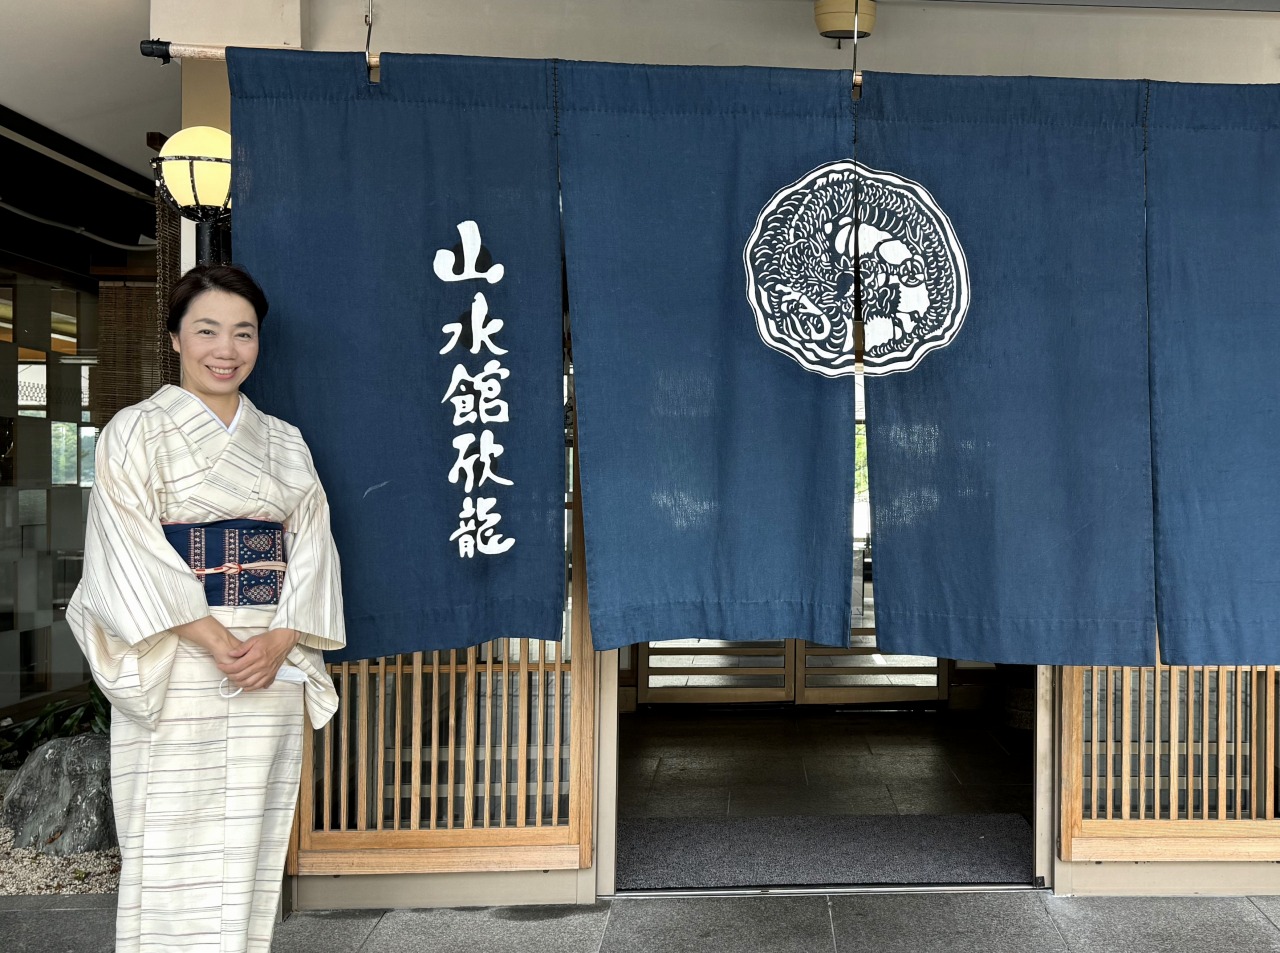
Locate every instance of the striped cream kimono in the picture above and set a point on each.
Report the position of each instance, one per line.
(204, 786)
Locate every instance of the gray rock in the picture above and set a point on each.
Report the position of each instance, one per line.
(6, 778)
(60, 802)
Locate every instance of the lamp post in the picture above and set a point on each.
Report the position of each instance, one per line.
(193, 174)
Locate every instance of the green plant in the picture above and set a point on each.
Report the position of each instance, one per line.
(57, 720)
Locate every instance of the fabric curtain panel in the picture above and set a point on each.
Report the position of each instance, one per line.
(1213, 245)
(717, 473)
(407, 233)
(1010, 472)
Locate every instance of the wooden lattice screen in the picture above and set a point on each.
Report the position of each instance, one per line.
(469, 760)
(1169, 763)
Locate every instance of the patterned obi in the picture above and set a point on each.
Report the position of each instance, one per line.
(241, 562)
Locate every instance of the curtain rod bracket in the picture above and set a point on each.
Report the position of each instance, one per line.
(159, 49)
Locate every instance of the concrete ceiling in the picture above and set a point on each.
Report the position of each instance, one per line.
(74, 66)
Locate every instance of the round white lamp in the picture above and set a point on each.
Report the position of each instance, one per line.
(193, 174)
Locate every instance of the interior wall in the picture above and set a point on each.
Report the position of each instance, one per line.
(913, 36)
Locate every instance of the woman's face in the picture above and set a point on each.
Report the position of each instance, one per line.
(218, 343)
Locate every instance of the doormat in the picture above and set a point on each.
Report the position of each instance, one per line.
(658, 853)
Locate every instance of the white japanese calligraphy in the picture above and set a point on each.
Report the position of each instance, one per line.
(450, 266)
(465, 466)
(476, 533)
(482, 329)
(475, 398)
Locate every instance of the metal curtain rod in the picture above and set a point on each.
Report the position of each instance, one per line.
(166, 51)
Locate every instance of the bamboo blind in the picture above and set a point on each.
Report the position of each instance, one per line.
(130, 360)
(1169, 763)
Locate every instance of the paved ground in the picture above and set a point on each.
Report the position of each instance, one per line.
(882, 923)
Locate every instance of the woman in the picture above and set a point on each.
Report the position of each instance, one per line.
(207, 646)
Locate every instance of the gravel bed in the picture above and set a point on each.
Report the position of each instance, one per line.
(27, 871)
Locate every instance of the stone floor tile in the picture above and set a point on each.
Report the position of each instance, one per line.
(838, 799)
(712, 771)
(1270, 907)
(693, 804)
(916, 798)
(75, 931)
(24, 902)
(997, 922)
(535, 929)
(333, 931)
(82, 901)
(720, 925)
(1163, 924)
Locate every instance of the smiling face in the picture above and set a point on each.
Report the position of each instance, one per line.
(218, 343)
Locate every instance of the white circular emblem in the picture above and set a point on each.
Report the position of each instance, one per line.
(805, 254)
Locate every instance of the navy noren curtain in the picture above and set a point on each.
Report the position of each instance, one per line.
(390, 222)
(1214, 248)
(717, 474)
(1010, 471)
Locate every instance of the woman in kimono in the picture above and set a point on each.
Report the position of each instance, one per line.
(210, 587)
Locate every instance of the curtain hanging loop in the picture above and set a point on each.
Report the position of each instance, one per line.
(368, 37)
(855, 84)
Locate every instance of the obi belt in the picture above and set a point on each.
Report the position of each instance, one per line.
(241, 562)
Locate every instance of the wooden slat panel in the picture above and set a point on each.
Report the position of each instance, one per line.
(433, 810)
(382, 839)
(1143, 775)
(451, 763)
(424, 840)
(327, 792)
(540, 772)
(1221, 745)
(1181, 848)
(1126, 741)
(1269, 696)
(451, 860)
(344, 741)
(659, 650)
(522, 752)
(469, 767)
(1157, 741)
(1110, 745)
(558, 709)
(1204, 743)
(1190, 743)
(363, 700)
(415, 749)
(381, 697)
(506, 720)
(305, 821)
(1072, 717)
(1175, 772)
(399, 746)
(488, 733)
(1095, 734)
(582, 738)
(1228, 744)
(822, 695)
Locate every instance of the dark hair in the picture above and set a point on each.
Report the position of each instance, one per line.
(230, 278)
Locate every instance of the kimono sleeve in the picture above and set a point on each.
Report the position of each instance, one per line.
(134, 582)
(311, 597)
(135, 587)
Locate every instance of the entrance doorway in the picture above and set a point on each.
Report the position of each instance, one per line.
(769, 774)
